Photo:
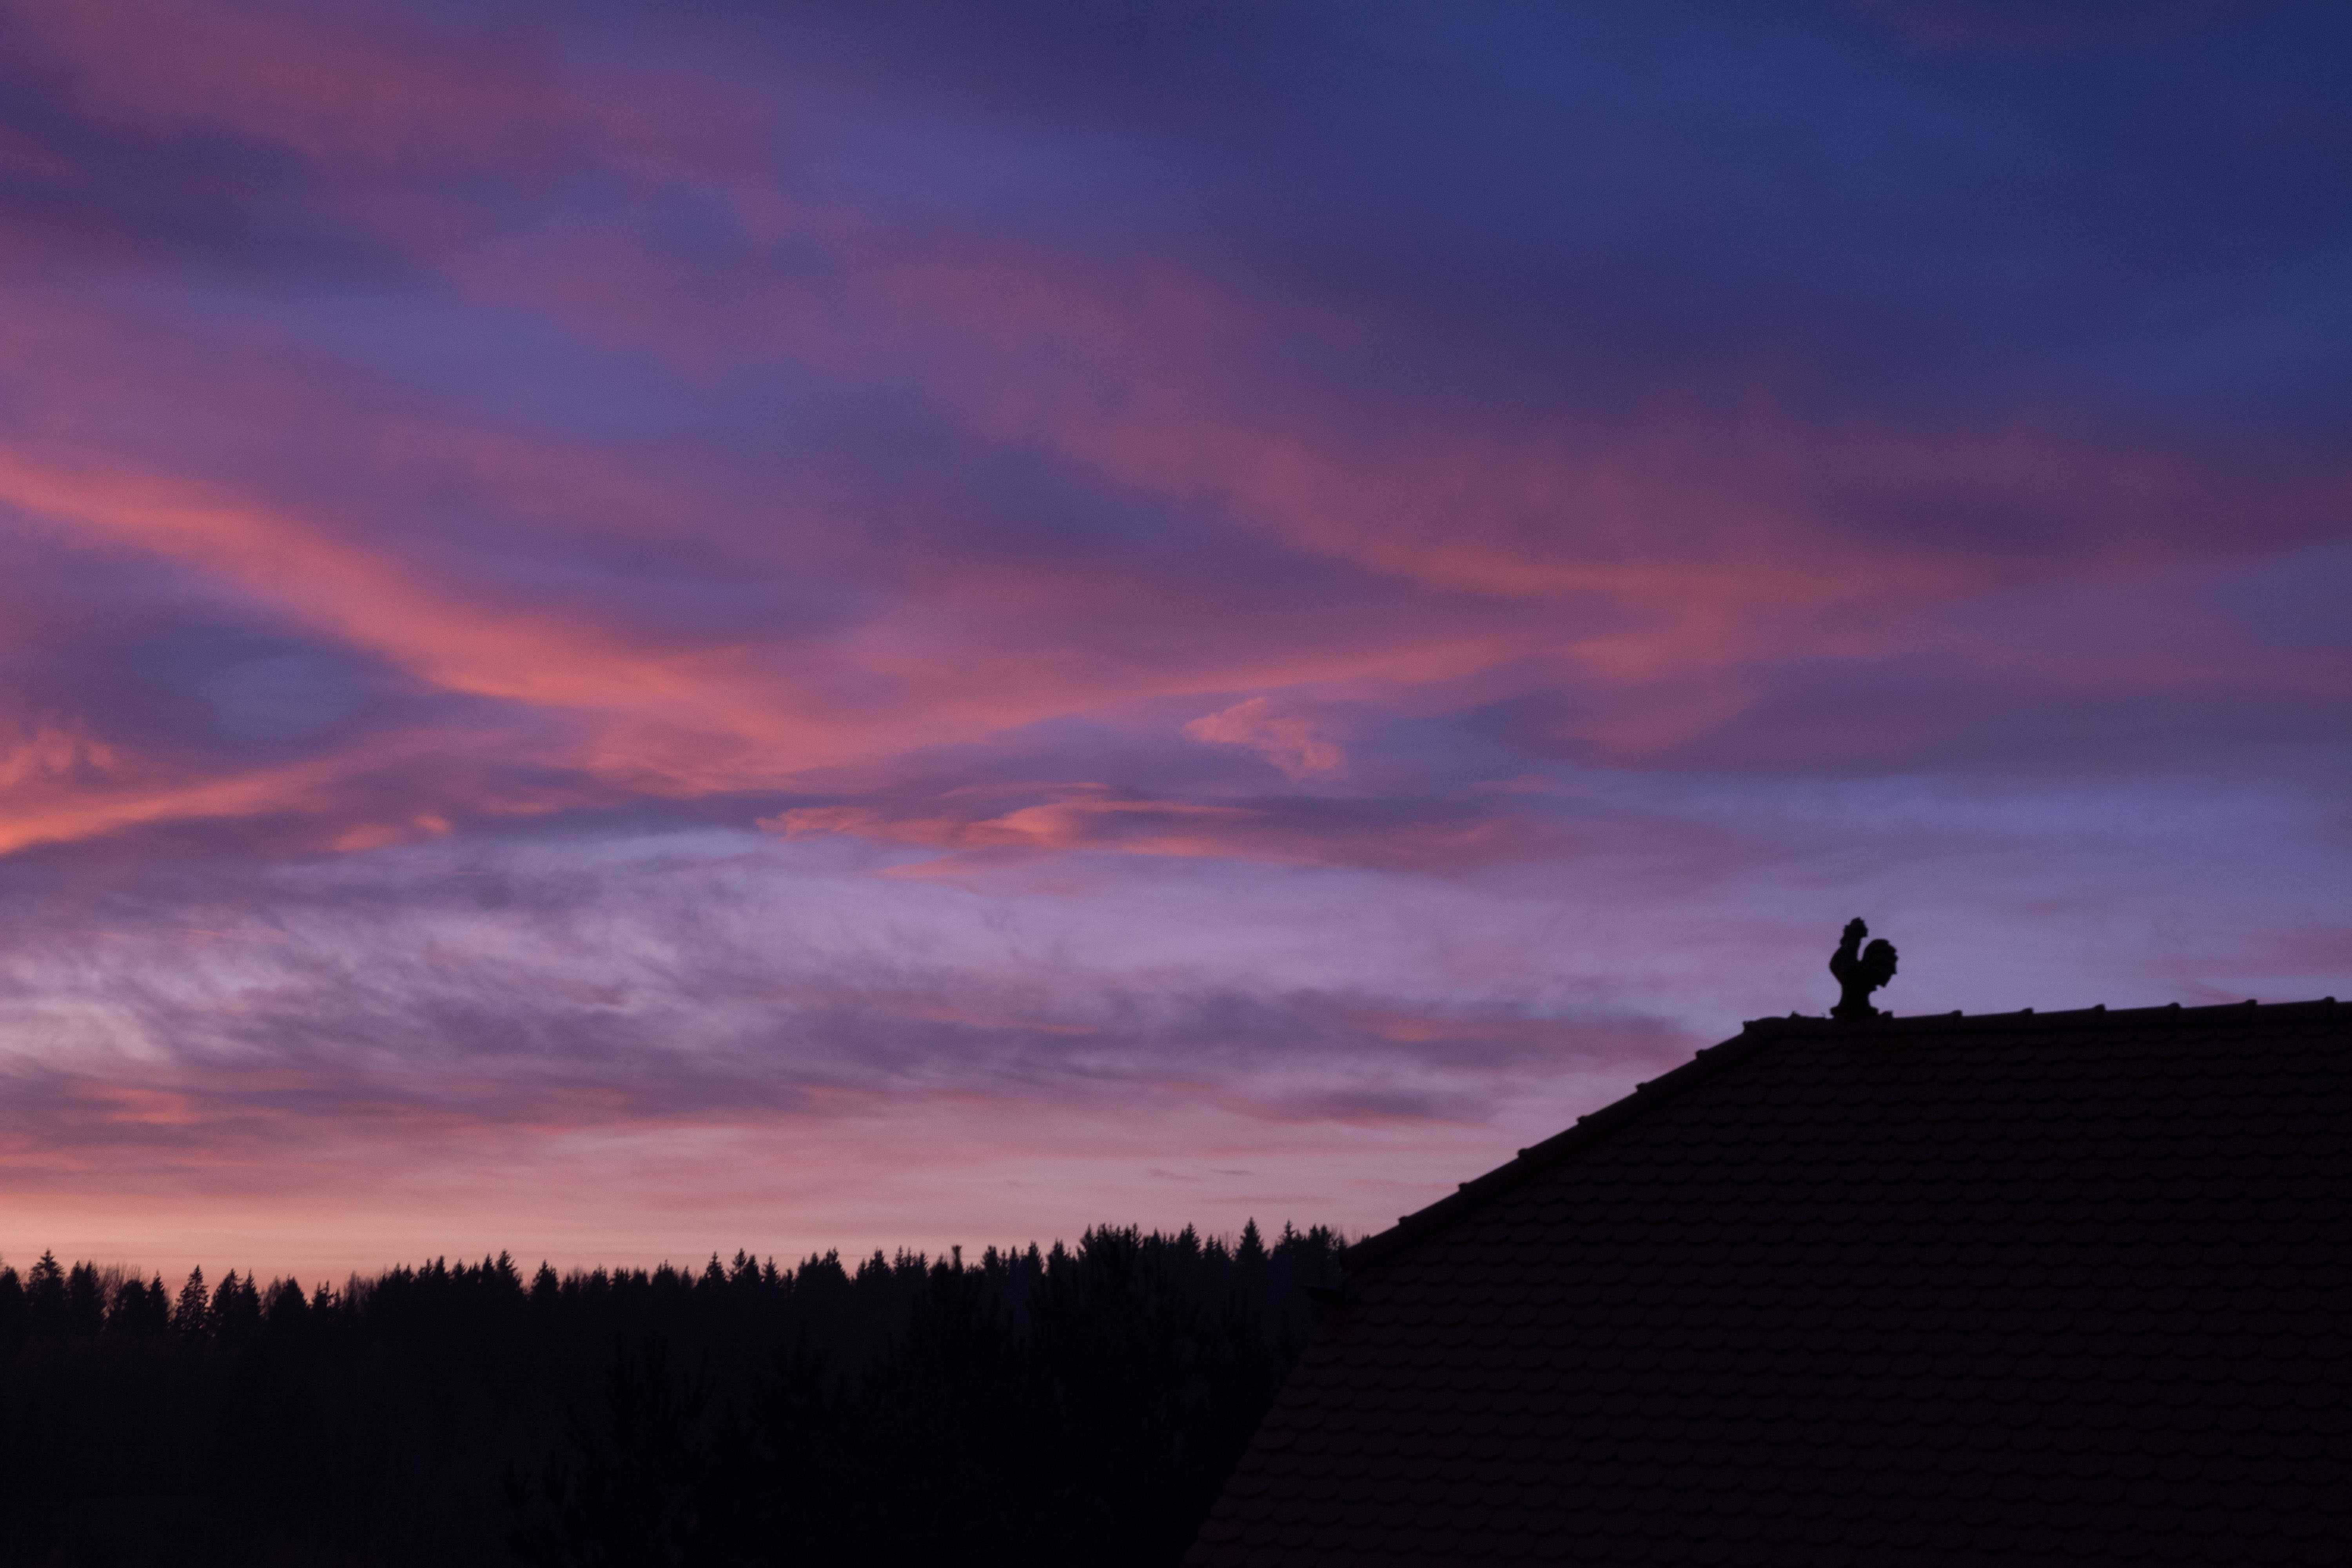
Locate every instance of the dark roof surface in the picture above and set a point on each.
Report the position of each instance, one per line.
(1926, 1291)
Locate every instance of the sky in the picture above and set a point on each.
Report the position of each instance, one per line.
(628, 631)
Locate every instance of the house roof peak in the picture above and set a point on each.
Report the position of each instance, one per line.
(1832, 1283)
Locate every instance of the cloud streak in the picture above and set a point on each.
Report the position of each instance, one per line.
(576, 581)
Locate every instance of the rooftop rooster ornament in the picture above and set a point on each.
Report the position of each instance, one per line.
(1859, 971)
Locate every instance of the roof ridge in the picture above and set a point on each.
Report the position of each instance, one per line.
(2097, 1015)
(1754, 1037)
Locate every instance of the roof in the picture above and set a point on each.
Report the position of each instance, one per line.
(1918, 1290)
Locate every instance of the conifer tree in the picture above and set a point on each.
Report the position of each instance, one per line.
(85, 1301)
(193, 1316)
(286, 1311)
(11, 1309)
(127, 1311)
(44, 1296)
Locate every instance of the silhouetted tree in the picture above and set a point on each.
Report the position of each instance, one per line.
(138, 1309)
(236, 1310)
(13, 1310)
(193, 1316)
(45, 1298)
(85, 1301)
(285, 1310)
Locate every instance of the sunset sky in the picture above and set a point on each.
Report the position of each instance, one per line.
(628, 631)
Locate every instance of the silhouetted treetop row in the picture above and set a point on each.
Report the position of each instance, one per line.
(1087, 1398)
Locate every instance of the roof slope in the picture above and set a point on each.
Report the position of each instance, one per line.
(1927, 1290)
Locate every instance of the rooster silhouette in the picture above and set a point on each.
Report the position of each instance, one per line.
(1859, 971)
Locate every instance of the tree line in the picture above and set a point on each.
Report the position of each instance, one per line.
(1073, 1405)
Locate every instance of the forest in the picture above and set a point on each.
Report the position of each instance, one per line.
(1077, 1404)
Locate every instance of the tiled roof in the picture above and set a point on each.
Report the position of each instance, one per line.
(2069, 1287)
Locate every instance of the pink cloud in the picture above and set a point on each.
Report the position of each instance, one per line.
(1288, 742)
(1662, 556)
(977, 829)
(348, 87)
